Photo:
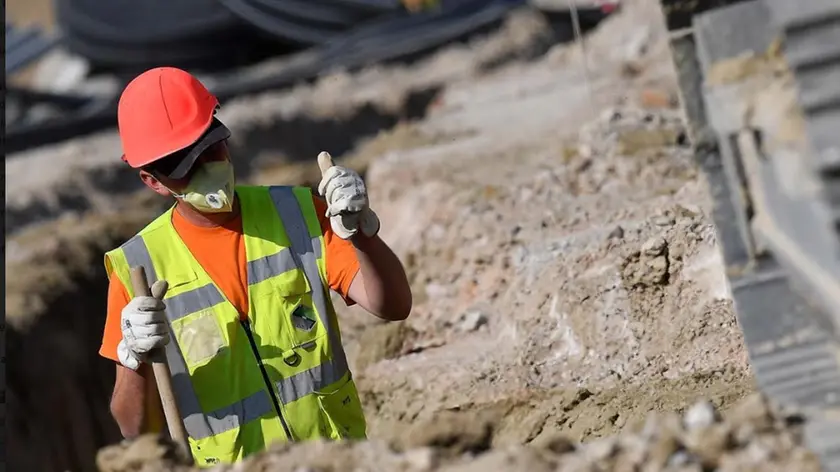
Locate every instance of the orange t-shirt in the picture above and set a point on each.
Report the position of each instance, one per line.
(221, 252)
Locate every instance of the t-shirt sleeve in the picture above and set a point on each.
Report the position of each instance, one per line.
(112, 335)
(341, 260)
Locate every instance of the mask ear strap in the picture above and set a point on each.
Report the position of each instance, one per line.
(167, 188)
(154, 174)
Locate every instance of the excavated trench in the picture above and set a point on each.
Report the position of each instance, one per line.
(58, 386)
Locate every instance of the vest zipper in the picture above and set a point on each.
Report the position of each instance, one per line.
(246, 324)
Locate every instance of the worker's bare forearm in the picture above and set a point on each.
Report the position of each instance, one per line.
(384, 280)
(129, 400)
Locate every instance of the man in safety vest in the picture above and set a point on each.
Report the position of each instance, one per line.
(247, 324)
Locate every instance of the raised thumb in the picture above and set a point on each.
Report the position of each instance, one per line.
(325, 161)
(159, 289)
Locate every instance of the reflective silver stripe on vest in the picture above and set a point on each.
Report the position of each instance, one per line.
(229, 417)
(136, 254)
(311, 380)
(304, 249)
(192, 301)
(270, 266)
(198, 424)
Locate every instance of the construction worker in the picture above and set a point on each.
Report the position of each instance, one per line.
(247, 324)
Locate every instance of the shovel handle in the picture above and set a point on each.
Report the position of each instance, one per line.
(160, 368)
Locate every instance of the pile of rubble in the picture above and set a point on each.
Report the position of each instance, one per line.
(753, 435)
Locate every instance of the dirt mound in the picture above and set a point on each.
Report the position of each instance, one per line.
(585, 262)
(751, 436)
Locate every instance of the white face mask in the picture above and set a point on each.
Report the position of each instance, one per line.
(211, 188)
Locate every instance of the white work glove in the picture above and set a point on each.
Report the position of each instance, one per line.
(144, 327)
(347, 200)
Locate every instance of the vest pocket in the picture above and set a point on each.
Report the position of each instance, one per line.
(300, 320)
(216, 450)
(342, 412)
(178, 279)
(199, 337)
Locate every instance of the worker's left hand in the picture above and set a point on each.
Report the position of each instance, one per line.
(347, 200)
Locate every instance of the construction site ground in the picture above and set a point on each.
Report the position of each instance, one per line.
(568, 287)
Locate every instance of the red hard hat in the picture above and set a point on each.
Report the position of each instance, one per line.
(162, 111)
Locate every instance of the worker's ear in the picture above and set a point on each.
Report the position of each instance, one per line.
(153, 183)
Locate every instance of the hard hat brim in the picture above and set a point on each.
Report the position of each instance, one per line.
(217, 132)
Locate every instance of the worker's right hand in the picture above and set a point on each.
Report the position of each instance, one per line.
(144, 328)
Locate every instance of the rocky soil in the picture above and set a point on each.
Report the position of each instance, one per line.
(571, 309)
(752, 436)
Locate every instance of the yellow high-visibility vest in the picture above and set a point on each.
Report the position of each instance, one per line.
(280, 375)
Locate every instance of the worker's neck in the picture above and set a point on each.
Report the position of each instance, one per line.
(206, 220)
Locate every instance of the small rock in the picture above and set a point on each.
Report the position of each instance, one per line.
(421, 345)
(678, 459)
(701, 415)
(657, 269)
(676, 251)
(471, 321)
(709, 443)
(601, 449)
(452, 433)
(132, 455)
(758, 452)
(654, 246)
(611, 115)
(744, 433)
(662, 220)
(650, 427)
(662, 448)
(420, 459)
(633, 451)
(557, 444)
(753, 413)
(620, 421)
(617, 233)
(687, 210)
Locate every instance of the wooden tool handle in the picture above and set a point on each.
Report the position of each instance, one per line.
(163, 377)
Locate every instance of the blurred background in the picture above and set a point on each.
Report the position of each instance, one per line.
(67, 59)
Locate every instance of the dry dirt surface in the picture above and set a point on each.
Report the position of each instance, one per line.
(752, 436)
(571, 310)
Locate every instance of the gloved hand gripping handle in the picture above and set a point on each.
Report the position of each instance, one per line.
(160, 368)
